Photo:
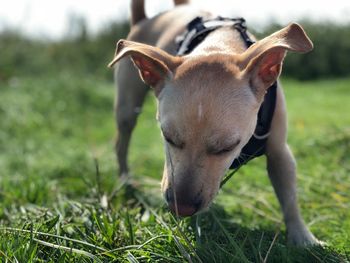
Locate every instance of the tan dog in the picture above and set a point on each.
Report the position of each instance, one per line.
(208, 102)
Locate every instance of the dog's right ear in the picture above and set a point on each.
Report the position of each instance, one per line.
(154, 65)
(262, 62)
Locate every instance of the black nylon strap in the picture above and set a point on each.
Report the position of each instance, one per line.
(198, 29)
(256, 145)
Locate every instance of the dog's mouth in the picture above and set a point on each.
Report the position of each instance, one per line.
(182, 207)
(183, 210)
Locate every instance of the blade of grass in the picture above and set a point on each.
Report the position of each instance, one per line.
(180, 246)
(131, 247)
(53, 235)
(6, 257)
(259, 246)
(272, 243)
(182, 234)
(232, 242)
(131, 258)
(130, 228)
(68, 249)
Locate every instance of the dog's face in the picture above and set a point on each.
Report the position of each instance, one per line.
(207, 109)
(205, 122)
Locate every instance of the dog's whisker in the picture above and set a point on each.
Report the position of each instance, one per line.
(173, 183)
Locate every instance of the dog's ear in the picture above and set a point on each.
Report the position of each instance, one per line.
(154, 64)
(262, 62)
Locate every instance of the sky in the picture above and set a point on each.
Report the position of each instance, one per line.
(50, 19)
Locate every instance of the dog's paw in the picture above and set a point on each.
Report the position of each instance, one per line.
(124, 176)
(303, 237)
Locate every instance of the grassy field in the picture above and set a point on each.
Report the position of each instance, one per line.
(61, 201)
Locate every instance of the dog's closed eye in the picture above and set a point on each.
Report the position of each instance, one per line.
(174, 141)
(217, 149)
(170, 141)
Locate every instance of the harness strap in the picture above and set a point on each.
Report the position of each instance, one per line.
(198, 29)
(256, 145)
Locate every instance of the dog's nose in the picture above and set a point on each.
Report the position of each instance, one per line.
(182, 207)
(183, 210)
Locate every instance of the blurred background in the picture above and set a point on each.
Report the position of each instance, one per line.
(37, 36)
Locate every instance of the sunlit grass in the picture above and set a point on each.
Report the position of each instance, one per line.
(57, 169)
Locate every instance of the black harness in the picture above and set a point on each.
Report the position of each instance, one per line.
(197, 30)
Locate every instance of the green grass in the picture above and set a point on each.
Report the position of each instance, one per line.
(57, 168)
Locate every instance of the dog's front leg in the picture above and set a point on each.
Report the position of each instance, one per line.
(282, 173)
(131, 95)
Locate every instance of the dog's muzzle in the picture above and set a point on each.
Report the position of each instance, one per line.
(182, 206)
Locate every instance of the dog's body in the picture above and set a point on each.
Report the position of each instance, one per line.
(208, 104)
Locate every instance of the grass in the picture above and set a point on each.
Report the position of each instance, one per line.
(61, 201)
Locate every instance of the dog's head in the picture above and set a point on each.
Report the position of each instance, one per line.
(207, 108)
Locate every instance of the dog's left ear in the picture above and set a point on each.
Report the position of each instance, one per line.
(262, 62)
(154, 65)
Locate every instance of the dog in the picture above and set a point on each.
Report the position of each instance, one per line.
(208, 104)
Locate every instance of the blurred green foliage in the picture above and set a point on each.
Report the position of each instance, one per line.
(84, 53)
(79, 54)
